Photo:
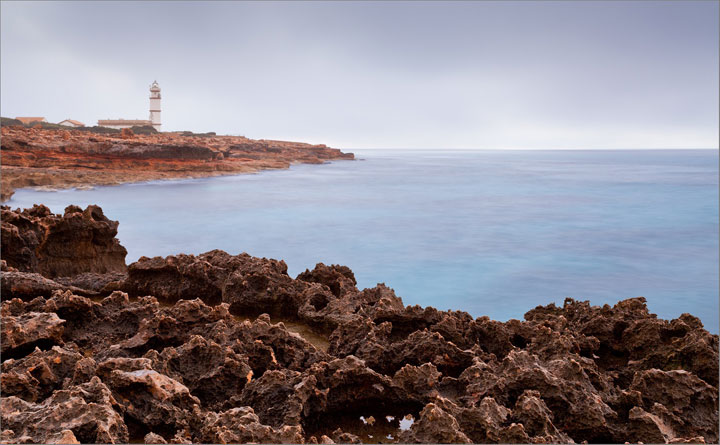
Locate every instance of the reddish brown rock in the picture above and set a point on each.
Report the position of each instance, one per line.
(263, 286)
(175, 278)
(242, 425)
(210, 360)
(340, 280)
(27, 286)
(419, 348)
(85, 413)
(148, 399)
(675, 400)
(490, 422)
(35, 377)
(35, 240)
(276, 397)
(249, 285)
(152, 438)
(93, 284)
(531, 411)
(22, 334)
(418, 383)
(435, 426)
(272, 346)
(212, 373)
(61, 159)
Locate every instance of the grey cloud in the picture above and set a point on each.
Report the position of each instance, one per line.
(377, 74)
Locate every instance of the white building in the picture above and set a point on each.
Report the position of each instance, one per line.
(71, 123)
(154, 120)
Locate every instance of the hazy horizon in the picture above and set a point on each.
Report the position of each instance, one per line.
(520, 149)
(396, 75)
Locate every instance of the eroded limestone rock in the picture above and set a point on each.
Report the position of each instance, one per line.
(206, 348)
(36, 240)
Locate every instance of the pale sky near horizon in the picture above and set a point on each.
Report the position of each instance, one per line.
(589, 74)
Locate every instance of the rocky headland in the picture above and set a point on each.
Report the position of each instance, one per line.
(216, 348)
(55, 158)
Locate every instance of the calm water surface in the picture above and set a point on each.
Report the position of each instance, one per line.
(489, 232)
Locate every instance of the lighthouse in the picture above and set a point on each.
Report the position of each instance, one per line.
(155, 105)
(129, 123)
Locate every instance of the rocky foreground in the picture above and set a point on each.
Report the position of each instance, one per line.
(189, 349)
(52, 158)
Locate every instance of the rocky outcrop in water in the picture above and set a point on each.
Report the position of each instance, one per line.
(54, 158)
(217, 348)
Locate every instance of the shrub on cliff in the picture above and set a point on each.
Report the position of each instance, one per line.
(209, 134)
(143, 129)
(6, 122)
(100, 130)
(47, 126)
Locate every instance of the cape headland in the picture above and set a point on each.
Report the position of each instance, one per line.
(216, 348)
(54, 157)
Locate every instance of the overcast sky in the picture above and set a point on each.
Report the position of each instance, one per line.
(607, 74)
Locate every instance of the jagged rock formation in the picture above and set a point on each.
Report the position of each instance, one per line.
(190, 349)
(36, 240)
(36, 157)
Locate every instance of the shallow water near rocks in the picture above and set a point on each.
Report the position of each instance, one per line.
(489, 232)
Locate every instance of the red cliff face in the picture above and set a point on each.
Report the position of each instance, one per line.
(204, 359)
(68, 158)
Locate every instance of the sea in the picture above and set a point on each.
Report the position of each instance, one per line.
(490, 232)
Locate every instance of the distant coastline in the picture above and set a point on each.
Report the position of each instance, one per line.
(53, 158)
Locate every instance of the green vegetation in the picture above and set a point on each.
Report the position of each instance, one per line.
(6, 122)
(140, 129)
(201, 135)
(48, 126)
(98, 130)
(144, 129)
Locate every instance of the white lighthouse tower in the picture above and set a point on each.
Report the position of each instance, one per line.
(155, 105)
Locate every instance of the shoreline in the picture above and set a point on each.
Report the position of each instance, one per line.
(134, 205)
(160, 179)
(36, 157)
(196, 349)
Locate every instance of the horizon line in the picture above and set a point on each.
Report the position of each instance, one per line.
(526, 148)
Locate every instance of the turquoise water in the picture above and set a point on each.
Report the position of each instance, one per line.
(489, 232)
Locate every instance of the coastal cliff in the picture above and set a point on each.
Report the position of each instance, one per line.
(54, 158)
(216, 348)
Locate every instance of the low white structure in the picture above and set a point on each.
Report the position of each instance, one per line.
(154, 120)
(123, 123)
(71, 123)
